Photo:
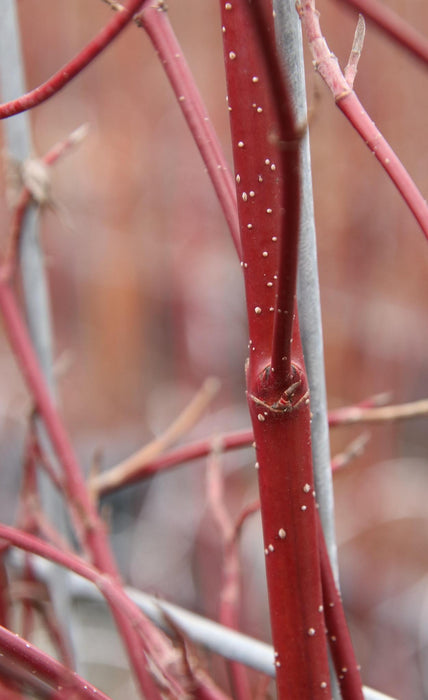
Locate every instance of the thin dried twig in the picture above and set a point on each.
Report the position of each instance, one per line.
(353, 450)
(356, 414)
(394, 26)
(357, 47)
(182, 424)
(34, 178)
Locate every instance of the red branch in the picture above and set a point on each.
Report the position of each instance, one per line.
(347, 101)
(19, 652)
(89, 526)
(393, 26)
(157, 25)
(265, 140)
(341, 648)
(57, 81)
(149, 637)
(265, 147)
(26, 197)
(175, 457)
(230, 592)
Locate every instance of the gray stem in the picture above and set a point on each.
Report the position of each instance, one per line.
(289, 42)
(17, 133)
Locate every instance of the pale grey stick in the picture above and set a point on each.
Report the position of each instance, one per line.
(211, 635)
(289, 42)
(17, 132)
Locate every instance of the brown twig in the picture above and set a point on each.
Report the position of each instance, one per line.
(125, 470)
(34, 178)
(353, 450)
(62, 77)
(382, 414)
(357, 47)
(394, 26)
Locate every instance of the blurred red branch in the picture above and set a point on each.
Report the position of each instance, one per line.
(150, 638)
(19, 652)
(154, 19)
(90, 528)
(381, 414)
(34, 190)
(367, 411)
(394, 26)
(327, 66)
(230, 591)
(69, 71)
(123, 472)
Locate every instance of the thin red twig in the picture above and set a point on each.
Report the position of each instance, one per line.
(230, 591)
(362, 412)
(34, 597)
(26, 197)
(347, 669)
(347, 101)
(152, 640)
(393, 26)
(57, 81)
(26, 656)
(156, 23)
(89, 526)
(175, 457)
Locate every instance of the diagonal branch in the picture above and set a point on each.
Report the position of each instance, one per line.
(124, 472)
(347, 101)
(57, 81)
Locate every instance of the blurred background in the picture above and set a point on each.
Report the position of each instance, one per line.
(147, 301)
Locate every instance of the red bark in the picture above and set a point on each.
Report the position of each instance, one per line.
(265, 144)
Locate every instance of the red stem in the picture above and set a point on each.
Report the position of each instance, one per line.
(157, 25)
(18, 651)
(90, 526)
(292, 564)
(349, 104)
(94, 535)
(360, 120)
(230, 590)
(227, 441)
(341, 648)
(264, 138)
(4, 593)
(393, 26)
(25, 199)
(177, 456)
(146, 634)
(57, 81)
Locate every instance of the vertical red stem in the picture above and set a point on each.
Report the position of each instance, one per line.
(264, 136)
(341, 648)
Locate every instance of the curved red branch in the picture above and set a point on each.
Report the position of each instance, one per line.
(152, 640)
(23, 655)
(57, 81)
(161, 34)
